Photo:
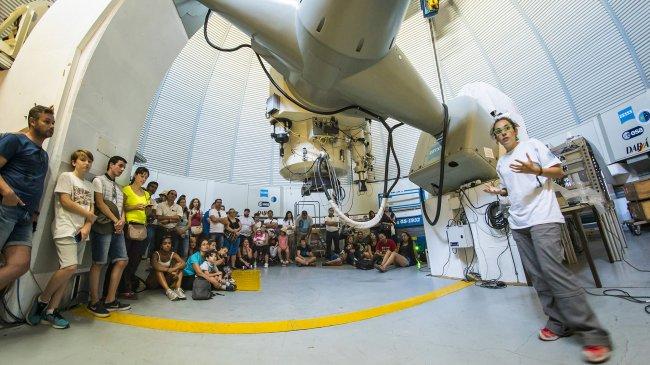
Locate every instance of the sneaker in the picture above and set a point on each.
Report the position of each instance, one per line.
(596, 354)
(171, 295)
(181, 294)
(98, 310)
(546, 334)
(35, 312)
(116, 306)
(56, 320)
(266, 264)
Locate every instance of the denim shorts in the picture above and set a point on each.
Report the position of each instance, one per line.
(15, 226)
(108, 246)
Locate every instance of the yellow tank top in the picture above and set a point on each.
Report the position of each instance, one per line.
(131, 198)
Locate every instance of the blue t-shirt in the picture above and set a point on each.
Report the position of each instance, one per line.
(196, 258)
(25, 169)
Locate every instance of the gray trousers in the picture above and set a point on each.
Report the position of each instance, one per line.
(563, 301)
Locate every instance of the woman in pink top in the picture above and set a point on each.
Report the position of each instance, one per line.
(283, 247)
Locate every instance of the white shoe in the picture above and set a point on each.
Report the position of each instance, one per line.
(171, 295)
(181, 294)
(266, 265)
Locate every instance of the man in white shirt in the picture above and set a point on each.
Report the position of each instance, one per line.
(168, 214)
(526, 171)
(331, 233)
(246, 225)
(217, 218)
(270, 223)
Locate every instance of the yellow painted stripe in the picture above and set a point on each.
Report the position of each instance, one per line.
(177, 325)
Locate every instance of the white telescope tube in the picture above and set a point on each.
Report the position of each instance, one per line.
(368, 224)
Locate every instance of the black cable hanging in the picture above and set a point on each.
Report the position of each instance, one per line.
(439, 186)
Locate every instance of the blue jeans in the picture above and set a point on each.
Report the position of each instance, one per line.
(217, 237)
(184, 243)
(151, 240)
(232, 246)
(15, 226)
(108, 246)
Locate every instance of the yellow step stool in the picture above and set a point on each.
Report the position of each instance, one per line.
(247, 280)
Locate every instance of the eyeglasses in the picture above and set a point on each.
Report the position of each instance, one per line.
(505, 128)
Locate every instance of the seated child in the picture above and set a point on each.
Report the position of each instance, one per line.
(193, 265)
(304, 256)
(167, 271)
(283, 248)
(211, 273)
(261, 244)
(350, 254)
(245, 255)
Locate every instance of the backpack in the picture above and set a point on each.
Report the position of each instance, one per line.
(201, 289)
(365, 264)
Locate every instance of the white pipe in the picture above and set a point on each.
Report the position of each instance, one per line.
(367, 224)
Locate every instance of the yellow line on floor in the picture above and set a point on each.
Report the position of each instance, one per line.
(177, 325)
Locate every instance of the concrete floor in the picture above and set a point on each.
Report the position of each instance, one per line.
(475, 325)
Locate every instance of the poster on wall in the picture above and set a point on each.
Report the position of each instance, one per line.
(626, 128)
(262, 199)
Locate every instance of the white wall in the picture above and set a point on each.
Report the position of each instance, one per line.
(99, 83)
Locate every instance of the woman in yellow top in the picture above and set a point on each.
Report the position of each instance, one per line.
(136, 200)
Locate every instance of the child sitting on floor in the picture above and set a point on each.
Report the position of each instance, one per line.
(245, 255)
(304, 256)
(167, 271)
(211, 272)
(261, 243)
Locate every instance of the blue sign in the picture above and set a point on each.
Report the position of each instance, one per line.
(274, 199)
(264, 193)
(405, 222)
(644, 116)
(626, 114)
(631, 133)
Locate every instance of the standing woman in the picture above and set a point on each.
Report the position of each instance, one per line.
(289, 226)
(231, 236)
(183, 229)
(136, 201)
(196, 224)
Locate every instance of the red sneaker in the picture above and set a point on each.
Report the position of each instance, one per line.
(546, 334)
(596, 354)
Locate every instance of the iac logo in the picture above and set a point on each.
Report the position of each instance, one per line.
(637, 147)
(626, 114)
(631, 133)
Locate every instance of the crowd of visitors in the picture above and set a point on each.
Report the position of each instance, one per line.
(184, 244)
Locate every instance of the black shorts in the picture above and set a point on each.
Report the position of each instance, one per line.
(264, 250)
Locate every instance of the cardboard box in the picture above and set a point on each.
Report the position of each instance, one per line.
(640, 211)
(637, 190)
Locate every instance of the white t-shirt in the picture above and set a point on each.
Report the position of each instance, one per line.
(165, 210)
(217, 227)
(334, 219)
(246, 224)
(270, 221)
(289, 226)
(66, 223)
(206, 266)
(530, 204)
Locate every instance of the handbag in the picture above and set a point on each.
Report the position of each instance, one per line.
(136, 232)
(196, 230)
(104, 225)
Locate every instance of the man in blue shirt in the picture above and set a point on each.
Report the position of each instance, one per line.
(23, 166)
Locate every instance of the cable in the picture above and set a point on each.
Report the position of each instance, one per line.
(640, 299)
(442, 172)
(207, 39)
